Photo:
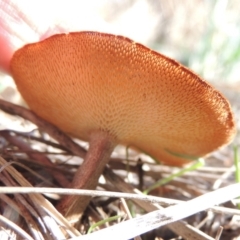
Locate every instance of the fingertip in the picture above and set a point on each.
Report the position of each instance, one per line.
(6, 53)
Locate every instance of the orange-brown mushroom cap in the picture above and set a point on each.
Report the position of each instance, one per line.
(87, 81)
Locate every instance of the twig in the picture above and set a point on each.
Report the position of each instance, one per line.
(219, 233)
(180, 228)
(155, 219)
(15, 227)
(53, 131)
(39, 200)
(38, 157)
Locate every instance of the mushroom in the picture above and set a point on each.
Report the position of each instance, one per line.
(109, 90)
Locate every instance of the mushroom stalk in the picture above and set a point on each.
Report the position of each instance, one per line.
(101, 145)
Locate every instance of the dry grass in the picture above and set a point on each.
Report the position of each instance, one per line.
(197, 34)
(33, 159)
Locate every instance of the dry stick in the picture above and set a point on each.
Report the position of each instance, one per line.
(17, 229)
(54, 232)
(219, 233)
(60, 178)
(39, 200)
(180, 228)
(101, 147)
(29, 136)
(56, 134)
(53, 131)
(24, 208)
(110, 193)
(86, 177)
(21, 209)
(21, 199)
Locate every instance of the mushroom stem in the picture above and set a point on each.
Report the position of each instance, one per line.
(101, 145)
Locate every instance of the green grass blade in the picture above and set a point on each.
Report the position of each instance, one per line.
(161, 182)
(113, 218)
